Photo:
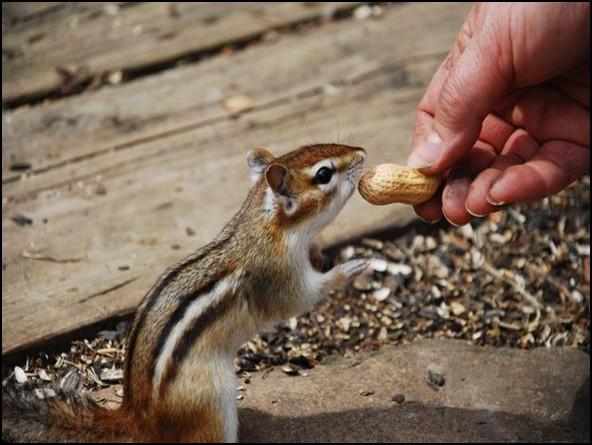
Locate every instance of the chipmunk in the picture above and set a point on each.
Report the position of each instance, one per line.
(179, 379)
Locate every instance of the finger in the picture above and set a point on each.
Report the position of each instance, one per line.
(479, 158)
(519, 148)
(556, 165)
(423, 122)
(454, 196)
(431, 210)
(476, 202)
(482, 155)
(522, 145)
(474, 86)
(492, 139)
(427, 105)
(548, 114)
(496, 131)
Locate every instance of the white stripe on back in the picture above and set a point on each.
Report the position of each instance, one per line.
(193, 311)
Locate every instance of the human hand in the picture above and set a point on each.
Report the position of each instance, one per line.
(506, 118)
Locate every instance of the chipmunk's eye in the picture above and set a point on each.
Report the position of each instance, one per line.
(323, 176)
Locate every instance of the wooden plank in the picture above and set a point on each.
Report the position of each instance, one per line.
(103, 251)
(103, 40)
(114, 117)
(13, 12)
(22, 17)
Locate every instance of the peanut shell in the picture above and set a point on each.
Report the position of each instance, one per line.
(390, 183)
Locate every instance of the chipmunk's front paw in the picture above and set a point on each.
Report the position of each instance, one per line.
(352, 269)
(342, 274)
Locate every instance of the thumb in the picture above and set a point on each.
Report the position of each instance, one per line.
(475, 84)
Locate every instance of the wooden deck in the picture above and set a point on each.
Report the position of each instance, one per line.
(120, 181)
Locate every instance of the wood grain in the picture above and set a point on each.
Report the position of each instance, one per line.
(15, 12)
(93, 40)
(111, 203)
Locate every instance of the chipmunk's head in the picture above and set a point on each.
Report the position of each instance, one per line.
(306, 188)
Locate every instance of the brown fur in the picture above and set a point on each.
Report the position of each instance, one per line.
(210, 317)
(299, 183)
(64, 418)
(311, 154)
(180, 425)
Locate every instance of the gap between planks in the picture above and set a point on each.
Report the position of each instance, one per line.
(48, 144)
(171, 32)
(313, 91)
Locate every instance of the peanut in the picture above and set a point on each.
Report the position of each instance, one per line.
(390, 183)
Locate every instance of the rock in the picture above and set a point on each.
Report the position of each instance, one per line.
(344, 323)
(430, 243)
(381, 294)
(491, 395)
(399, 398)
(372, 243)
(22, 220)
(293, 323)
(348, 253)
(18, 166)
(436, 379)
(111, 375)
(331, 90)
(377, 264)
(115, 77)
(43, 375)
(576, 296)
(290, 370)
(19, 374)
(391, 282)
(456, 308)
(399, 269)
(238, 103)
(363, 12)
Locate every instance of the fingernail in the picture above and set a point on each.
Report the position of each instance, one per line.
(428, 151)
(448, 219)
(497, 185)
(475, 214)
(428, 221)
(494, 203)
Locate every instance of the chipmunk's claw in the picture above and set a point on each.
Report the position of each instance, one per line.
(353, 268)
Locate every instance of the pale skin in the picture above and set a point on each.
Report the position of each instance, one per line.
(506, 118)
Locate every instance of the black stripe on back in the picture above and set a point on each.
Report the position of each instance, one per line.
(199, 325)
(152, 298)
(179, 312)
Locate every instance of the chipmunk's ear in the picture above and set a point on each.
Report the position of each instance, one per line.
(258, 160)
(277, 178)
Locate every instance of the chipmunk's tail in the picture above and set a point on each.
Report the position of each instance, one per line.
(63, 418)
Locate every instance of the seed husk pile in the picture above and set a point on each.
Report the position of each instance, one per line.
(517, 278)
